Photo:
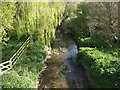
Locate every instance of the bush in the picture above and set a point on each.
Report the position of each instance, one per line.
(94, 41)
(101, 68)
(113, 51)
(13, 80)
(24, 73)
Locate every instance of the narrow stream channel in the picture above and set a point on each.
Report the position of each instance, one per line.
(62, 68)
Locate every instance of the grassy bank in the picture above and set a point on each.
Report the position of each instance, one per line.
(25, 71)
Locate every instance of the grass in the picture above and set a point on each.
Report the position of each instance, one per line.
(25, 72)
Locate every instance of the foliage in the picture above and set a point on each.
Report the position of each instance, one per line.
(23, 19)
(13, 80)
(100, 65)
(94, 19)
(19, 21)
(95, 25)
(90, 24)
(103, 19)
(114, 51)
(24, 73)
(94, 41)
(76, 24)
(8, 51)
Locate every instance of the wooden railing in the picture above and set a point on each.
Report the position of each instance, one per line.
(6, 66)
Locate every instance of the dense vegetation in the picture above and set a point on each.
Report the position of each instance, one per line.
(102, 66)
(94, 27)
(25, 72)
(21, 20)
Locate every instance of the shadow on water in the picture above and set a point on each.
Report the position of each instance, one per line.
(75, 75)
(62, 68)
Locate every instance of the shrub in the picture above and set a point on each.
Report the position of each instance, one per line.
(101, 68)
(94, 41)
(13, 80)
(24, 73)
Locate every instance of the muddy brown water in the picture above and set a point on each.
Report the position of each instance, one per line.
(62, 70)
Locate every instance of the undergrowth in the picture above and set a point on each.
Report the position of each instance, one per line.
(25, 71)
(102, 68)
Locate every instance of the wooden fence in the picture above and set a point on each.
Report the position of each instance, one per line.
(6, 66)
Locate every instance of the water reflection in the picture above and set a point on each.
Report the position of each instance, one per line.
(72, 52)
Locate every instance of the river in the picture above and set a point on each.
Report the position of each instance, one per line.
(63, 70)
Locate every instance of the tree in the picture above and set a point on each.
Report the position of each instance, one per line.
(103, 19)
